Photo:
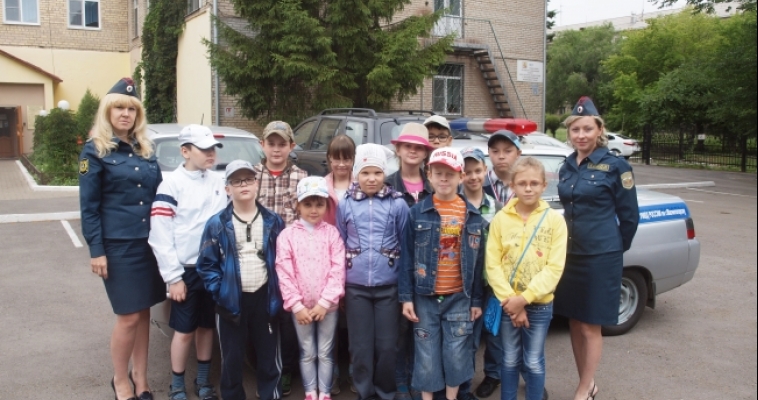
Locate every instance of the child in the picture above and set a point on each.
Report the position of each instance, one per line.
(310, 261)
(187, 198)
(504, 149)
(475, 170)
(526, 252)
(439, 132)
(412, 148)
(371, 221)
(237, 264)
(277, 191)
(340, 154)
(441, 281)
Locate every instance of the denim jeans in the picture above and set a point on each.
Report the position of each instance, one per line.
(444, 342)
(524, 352)
(493, 350)
(316, 348)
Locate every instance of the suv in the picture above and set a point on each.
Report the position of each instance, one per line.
(363, 125)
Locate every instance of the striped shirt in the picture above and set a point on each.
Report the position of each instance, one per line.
(253, 272)
(452, 220)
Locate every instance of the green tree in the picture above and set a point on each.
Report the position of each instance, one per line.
(304, 56)
(709, 5)
(85, 114)
(574, 65)
(160, 47)
(552, 123)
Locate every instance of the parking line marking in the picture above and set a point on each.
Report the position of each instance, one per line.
(71, 234)
(725, 193)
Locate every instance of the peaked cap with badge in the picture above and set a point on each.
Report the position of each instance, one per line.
(125, 86)
(585, 108)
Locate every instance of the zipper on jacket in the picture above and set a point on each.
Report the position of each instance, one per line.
(371, 241)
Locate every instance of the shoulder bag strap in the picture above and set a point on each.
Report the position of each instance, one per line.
(523, 253)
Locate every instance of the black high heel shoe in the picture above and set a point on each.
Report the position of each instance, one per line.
(113, 386)
(146, 395)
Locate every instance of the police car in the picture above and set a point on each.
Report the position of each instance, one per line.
(665, 252)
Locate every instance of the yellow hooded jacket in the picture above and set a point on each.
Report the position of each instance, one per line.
(542, 265)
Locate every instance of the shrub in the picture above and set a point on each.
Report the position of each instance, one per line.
(85, 115)
(552, 123)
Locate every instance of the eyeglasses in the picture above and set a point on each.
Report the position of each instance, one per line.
(241, 182)
(533, 184)
(441, 138)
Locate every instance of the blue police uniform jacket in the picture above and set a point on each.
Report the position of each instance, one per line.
(116, 194)
(421, 242)
(600, 203)
(218, 261)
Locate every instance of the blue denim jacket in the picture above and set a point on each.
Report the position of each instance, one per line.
(421, 241)
(218, 262)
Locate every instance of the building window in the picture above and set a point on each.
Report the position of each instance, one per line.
(84, 14)
(447, 90)
(21, 11)
(193, 5)
(135, 17)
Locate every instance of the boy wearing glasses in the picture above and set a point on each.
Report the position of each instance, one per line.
(185, 200)
(237, 264)
(439, 132)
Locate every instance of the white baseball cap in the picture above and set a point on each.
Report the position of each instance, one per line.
(199, 136)
(312, 186)
(447, 156)
(439, 120)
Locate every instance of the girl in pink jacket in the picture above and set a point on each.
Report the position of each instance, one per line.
(310, 263)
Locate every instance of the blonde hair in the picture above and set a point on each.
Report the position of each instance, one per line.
(526, 163)
(102, 132)
(602, 140)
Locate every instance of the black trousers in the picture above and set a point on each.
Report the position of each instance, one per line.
(290, 346)
(373, 316)
(253, 327)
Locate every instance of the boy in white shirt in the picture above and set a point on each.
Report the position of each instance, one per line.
(186, 199)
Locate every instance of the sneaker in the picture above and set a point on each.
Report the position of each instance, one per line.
(487, 387)
(176, 394)
(287, 385)
(352, 385)
(309, 396)
(335, 386)
(466, 396)
(205, 391)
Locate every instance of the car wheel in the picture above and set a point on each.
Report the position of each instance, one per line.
(632, 303)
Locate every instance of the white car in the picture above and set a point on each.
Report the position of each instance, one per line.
(542, 139)
(622, 145)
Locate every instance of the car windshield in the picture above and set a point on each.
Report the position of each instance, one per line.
(235, 148)
(552, 165)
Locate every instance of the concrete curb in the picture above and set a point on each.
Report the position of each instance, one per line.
(43, 188)
(11, 218)
(678, 185)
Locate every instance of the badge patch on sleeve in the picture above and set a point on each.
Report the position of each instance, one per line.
(627, 180)
(83, 166)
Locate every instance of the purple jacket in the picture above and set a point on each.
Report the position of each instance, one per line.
(372, 228)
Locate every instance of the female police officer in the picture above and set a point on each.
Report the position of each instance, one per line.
(597, 191)
(118, 178)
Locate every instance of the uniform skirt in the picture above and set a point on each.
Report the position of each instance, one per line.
(590, 288)
(134, 282)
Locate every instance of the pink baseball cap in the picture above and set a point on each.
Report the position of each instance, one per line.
(415, 133)
(447, 156)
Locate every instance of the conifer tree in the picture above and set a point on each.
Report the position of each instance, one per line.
(301, 56)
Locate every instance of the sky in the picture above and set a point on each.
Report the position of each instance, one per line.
(579, 11)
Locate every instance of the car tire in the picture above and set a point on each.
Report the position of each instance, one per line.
(634, 292)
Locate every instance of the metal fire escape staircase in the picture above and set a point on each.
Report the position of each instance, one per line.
(491, 76)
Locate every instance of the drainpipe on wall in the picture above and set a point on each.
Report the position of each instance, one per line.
(544, 67)
(217, 97)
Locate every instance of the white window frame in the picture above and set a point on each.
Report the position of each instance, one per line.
(446, 78)
(21, 9)
(84, 16)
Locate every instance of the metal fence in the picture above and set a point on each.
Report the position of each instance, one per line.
(687, 148)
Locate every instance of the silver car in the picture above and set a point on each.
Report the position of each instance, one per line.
(665, 252)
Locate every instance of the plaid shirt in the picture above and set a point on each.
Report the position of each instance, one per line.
(279, 193)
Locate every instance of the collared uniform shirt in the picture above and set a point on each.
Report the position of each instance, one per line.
(116, 193)
(600, 203)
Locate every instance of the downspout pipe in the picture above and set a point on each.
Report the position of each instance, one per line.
(544, 68)
(217, 97)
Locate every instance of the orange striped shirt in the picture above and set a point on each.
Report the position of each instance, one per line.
(453, 217)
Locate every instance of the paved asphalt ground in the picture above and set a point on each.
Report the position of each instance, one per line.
(699, 343)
